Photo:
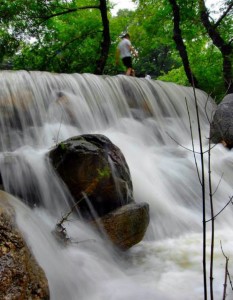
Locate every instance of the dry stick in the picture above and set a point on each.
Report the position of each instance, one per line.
(212, 228)
(191, 132)
(88, 191)
(66, 216)
(203, 195)
(211, 210)
(210, 148)
(202, 182)
(190, 150)
(229, 278)
(226, 274)
(218, 184)
(230, 201)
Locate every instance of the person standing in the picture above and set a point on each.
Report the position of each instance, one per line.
(124, 51)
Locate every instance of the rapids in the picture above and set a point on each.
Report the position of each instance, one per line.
(149, 121)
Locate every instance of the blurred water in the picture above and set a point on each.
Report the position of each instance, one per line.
(148, 120)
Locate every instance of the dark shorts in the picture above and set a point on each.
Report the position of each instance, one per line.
(127, 61)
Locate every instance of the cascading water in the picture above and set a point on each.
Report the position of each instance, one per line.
(149, 121)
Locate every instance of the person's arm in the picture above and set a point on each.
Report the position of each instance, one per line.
(133, 51)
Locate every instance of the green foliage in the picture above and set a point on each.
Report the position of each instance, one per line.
(175, 75)
(68, 42)
(154, 35)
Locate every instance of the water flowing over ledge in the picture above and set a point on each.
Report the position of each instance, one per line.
(148, 121)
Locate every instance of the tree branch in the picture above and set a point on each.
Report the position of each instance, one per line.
(223, 15)
(68, 11)
(226, 274)
(230, 201)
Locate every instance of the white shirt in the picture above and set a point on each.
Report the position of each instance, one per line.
(124, 47)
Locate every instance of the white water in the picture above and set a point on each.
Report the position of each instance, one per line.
(148, 121)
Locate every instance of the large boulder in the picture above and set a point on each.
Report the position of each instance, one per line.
(93, 168)
(21, 276)
(221, 127)
(125, 226)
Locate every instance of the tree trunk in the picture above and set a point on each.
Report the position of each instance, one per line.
(105, 44)
(177, 36)
(226, 49)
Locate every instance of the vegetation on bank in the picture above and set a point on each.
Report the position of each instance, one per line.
(177, 40)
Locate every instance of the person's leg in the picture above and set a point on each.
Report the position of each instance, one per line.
(127, 61)
(132, 72)
(129, 72)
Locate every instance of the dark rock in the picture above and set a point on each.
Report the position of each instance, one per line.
(93, 166)
(221, 128)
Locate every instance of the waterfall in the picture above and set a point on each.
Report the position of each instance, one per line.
(150, 122)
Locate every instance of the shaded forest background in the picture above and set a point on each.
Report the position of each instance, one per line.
(181, 41)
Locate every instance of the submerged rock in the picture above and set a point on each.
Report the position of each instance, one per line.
(221, 128)
(20, 275)
(125, 226)
(95, 170)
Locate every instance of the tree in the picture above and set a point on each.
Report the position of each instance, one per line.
(218, 40)
(177, 36)
(105, 44)
(52, 47)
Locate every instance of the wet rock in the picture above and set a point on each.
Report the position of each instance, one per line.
(20, 275)
(95, 170)
(125, 226)
(221, 128)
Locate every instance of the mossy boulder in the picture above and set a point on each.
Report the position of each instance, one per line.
(95, 170)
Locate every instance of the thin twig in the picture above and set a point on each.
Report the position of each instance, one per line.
(203, 195)
(66, 216)
(226, 274)
(212, 228)
(209, 119)
(191, 132)
(230, 201)
(188, 149)
(218, 184)
(229, 278)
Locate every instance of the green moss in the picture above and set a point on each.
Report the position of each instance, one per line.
(104, 173)
(62, 146)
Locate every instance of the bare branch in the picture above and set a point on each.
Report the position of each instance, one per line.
(203, 193)
(66, 216)
(188, 149)
(226, 273)
(218, 184)
(230, 201)
(212, 226)
(193, 148)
